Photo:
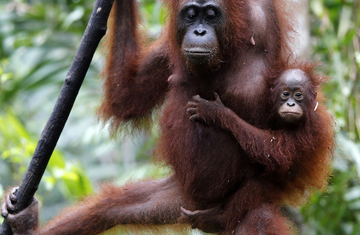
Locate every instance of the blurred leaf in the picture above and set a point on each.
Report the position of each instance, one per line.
(349, 150)
(77, 14)
(345, 21)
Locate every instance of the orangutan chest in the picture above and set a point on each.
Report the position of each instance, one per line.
(245, 95)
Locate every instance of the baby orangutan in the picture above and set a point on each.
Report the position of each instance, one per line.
(292, 96)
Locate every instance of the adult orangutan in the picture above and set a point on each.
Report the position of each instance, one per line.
(243, 170)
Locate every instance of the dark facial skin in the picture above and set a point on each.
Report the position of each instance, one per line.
(199, 23)
(292, 95)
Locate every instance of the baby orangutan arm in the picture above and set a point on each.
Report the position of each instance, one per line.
(257, 143)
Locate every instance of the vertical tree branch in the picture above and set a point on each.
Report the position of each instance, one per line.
(95, 30)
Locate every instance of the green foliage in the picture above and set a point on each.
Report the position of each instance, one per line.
(335, 27)
(17, 147)
(38, 39)
(36, 48)
(335, 31)
(154, 15)
(337, 211)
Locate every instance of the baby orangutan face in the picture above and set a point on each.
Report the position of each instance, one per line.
(292, 100)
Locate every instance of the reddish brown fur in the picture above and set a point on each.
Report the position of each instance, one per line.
(207, 159)
(231, 162)
(292, 162)
(312, 143)
(123, 66)
(145, 203)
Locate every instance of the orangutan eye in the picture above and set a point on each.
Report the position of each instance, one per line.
(191, 13)
(211, 14)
